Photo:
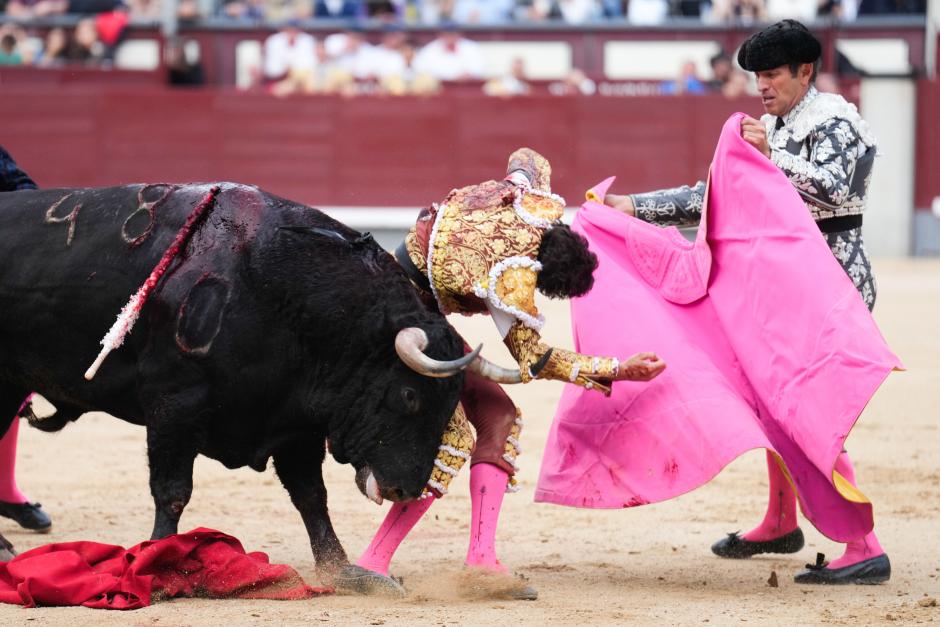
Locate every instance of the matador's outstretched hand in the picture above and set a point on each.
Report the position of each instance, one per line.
(641, 367)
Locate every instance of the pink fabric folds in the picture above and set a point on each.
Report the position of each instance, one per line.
(767, 344)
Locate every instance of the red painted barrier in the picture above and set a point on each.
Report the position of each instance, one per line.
(927, 144)
(355, 152)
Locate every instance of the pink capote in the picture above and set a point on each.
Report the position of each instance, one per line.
(767, 344)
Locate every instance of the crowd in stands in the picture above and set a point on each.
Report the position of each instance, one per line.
(388, 61)
(476, 12)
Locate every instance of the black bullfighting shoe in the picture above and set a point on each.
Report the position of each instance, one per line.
(353, 578)
(872, 571)
(28, 515)
(735, 547)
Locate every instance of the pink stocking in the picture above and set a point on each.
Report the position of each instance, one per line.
(780, 518)
(487, 487)
(398, 522)
(863, 548)
(8, 490)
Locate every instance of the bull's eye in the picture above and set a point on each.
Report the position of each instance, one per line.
(410, 397)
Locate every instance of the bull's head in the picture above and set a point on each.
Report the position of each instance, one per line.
(404, 411)
(388, 371)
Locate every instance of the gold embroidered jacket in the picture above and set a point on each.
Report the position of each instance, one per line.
(479, 250)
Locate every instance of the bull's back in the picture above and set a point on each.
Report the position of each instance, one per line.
(69, 261)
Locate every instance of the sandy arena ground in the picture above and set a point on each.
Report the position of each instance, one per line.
(648, 565)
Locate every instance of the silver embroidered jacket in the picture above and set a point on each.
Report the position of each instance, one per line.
(823, 146)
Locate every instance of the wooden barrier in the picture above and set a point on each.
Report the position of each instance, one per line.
(375, 151)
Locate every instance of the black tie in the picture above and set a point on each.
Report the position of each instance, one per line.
(779, 124)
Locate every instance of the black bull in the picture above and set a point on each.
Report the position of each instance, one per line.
(271, 335)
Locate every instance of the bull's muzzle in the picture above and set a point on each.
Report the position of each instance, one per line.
(411, 342)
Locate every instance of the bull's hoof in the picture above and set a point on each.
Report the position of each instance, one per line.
(28, 515)
(7, 551)
(359, 580)
(524, 592)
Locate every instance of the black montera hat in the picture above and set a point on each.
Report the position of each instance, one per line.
(783, 43)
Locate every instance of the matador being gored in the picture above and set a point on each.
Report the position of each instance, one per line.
(486, 249)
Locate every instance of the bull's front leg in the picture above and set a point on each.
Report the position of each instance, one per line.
(6, 550)
(300, 468)
(174, 436)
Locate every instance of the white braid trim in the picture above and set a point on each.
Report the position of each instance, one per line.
(575, 371)
(533, 322)
(518, 420)
(510, 488)
(447, 448)
(515, 444)
(438, 219)
(445, 468)
(437, 486)
(616, 366)
(528, 218)
(512, 460)
(820, 110)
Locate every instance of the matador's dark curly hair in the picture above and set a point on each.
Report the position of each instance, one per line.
(568, 265)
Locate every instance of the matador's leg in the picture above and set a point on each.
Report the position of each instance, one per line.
(370, 575)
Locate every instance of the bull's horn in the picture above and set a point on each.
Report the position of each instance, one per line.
(491, 371)
(410, 344)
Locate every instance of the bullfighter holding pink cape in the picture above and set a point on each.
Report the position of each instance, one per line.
(768, 345)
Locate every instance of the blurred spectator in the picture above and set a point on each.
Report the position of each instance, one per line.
(187, 11)
(738, 11)
(801, 10)
(247, 10)
(84, 46)
(28, 9)
(512, 84)
(842, 10)
(409, 81)
(579, 11)
(721, 70)
(337, 9)
(647, 12)
(183, 65)
(144, 11)
(536, 10)
(451, 57)
(482, 11)
(690, 8)
(349, 51)
(92, 7)
(287, 50)
(308, 79)
(887, 7)
(53, 52)
(15, 48)
(575, 83)
(349, 58)
(687, 83)
(8, 49)
(432, 12)
(386, 11)
(385, 59)
(738, 85)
